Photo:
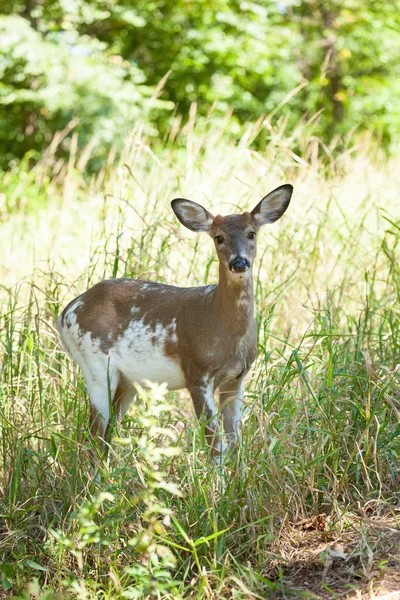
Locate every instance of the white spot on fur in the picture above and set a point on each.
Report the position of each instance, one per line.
(238, 410)
(208, 289)
(208, 393)
(140, 354)
(70, 314)
(76, 305)
(99, 369)
(172, 332)
(243, 299)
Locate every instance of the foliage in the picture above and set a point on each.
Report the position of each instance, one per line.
(350, 56)
(98, 62)
(61, 81)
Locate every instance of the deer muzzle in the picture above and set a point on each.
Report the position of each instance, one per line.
(239, 265)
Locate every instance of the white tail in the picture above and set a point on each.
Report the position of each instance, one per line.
(202, 338)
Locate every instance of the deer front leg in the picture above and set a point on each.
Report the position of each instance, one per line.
(231, 405)
(204, 406)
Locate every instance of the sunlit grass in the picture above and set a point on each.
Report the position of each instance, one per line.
(321, 433)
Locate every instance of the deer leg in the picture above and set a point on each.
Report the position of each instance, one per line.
(231, 405)
(204, 406)
(122, 399)
(125, 401)
(99, 409)
(102, 385)
(99, 418)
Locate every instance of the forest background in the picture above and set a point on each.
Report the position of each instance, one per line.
(99, 66)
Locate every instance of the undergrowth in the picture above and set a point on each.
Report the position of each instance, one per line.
(309, 504)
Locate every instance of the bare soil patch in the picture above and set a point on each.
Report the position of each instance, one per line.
(356, 559)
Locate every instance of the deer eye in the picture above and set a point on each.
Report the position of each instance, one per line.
(219, 239)
(251, 235)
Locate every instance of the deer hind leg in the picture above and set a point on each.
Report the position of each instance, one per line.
(122, 396)
(122, 399)
(99, 372)
(100, 393)
(204, 405)
(231, 405)
(101, 376)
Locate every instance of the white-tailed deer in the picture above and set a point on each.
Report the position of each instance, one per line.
(123, 331)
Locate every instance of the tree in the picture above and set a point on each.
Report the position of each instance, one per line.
(98, 62)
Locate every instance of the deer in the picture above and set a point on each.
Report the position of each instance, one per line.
(123, 332)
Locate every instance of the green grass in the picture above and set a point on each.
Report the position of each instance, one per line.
(309, 508)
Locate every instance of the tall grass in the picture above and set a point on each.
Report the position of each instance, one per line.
(316, 478)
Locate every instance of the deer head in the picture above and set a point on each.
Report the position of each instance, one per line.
(235, 236)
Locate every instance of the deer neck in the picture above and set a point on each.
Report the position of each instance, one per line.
(234, 296)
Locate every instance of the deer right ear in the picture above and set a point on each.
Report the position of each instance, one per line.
(192, 215)
(273, 205)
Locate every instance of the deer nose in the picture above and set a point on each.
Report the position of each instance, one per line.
(239, 264)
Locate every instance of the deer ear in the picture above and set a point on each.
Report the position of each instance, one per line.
(192, 215)
(273, 205)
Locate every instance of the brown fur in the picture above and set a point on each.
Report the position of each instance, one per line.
(106, 309)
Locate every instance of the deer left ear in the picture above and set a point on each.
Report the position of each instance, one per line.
(192, 215)
(272, 206)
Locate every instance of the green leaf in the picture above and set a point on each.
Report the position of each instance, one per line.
(34, 565)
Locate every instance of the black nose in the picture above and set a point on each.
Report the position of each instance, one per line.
(239, 265)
